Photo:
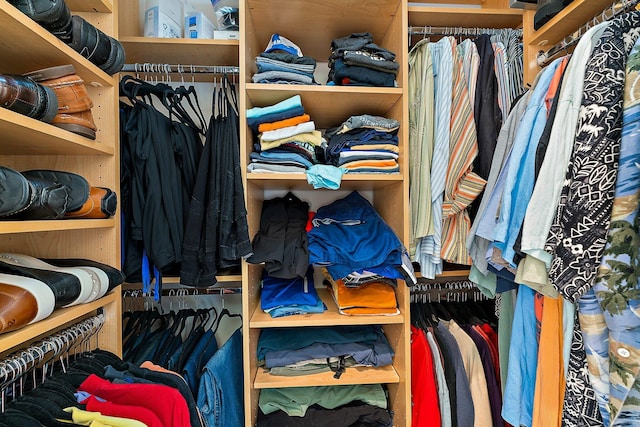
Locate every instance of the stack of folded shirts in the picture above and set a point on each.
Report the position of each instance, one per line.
(286, 138)
(357, 61)
(282, 62)
(286, 297)
(364, 144)
(372, 295)
(324, 406)
(303, 351)
(351, 240)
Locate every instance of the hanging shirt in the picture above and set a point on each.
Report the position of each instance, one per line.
(429, 246)
(421, 136)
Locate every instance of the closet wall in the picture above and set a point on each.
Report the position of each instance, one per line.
(31, 144)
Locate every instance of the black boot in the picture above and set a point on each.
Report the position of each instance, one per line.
(25, 96)
(53, 15)
(99, 48)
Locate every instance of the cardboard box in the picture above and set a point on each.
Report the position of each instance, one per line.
(197, 26)
(226, 35)
(163, 18)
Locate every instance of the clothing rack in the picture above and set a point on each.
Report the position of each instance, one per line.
(151, 68)
(74, 339)
(428, 30)
(617, 8)
(449, 291)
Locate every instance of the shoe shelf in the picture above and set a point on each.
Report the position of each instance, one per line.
(21, 226)
(60, 318)
(103, 6)
(331, 317)
(22, 135)
(568, 20)
(26, 46)
(464, 17)
(352, 375)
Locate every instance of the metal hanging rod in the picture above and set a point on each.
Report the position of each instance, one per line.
(617, 8)
(428, 30)
(151, 68)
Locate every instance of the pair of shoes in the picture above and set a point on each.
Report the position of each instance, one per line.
(25, 96)
(23, 301)
(31, 289)
(72, 281)
(54, 15)
(52, 194)
(74, 104)
(40, 194)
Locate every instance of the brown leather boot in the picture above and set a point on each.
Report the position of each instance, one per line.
(74, 104)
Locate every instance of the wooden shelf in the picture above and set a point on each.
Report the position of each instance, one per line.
(298, 181)
(56, 320)
(104, 6)
(12, 227)
(313, 25)
(331, 317)
(180, 51)
(353, 375)
(328, 106)
(22, 135)
(464, 17)
(26, 46)
(567, 21)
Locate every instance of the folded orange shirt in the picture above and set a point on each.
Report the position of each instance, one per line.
(292, 121)
(374, 298)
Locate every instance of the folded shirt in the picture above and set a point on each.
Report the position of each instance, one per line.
(274, 135)
(276, 76)
(274, 168)
(314, 138)
(264, 127)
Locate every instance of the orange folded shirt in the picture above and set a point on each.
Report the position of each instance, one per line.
(292, 121)
(374, 298)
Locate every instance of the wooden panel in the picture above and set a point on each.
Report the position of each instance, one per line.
(180, 51)
(11, 227)
(331, 317)
(328, 106)
(313, 25)
(464, 17)
(44, 49)
(293, 181)
(24, 135)
(58, 320)
(104, 6)
(352, 375)
(567, 21)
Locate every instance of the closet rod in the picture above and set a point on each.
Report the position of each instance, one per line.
(428, 30)
(617, 8)
(15, 365)
(148, 67)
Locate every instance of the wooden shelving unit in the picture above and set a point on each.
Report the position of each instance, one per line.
(464, 17)
(331, 317)
(352, 375)
(30, 144)
(312, 26)
(564, 24)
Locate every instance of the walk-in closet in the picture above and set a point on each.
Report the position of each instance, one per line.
(319, 213)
